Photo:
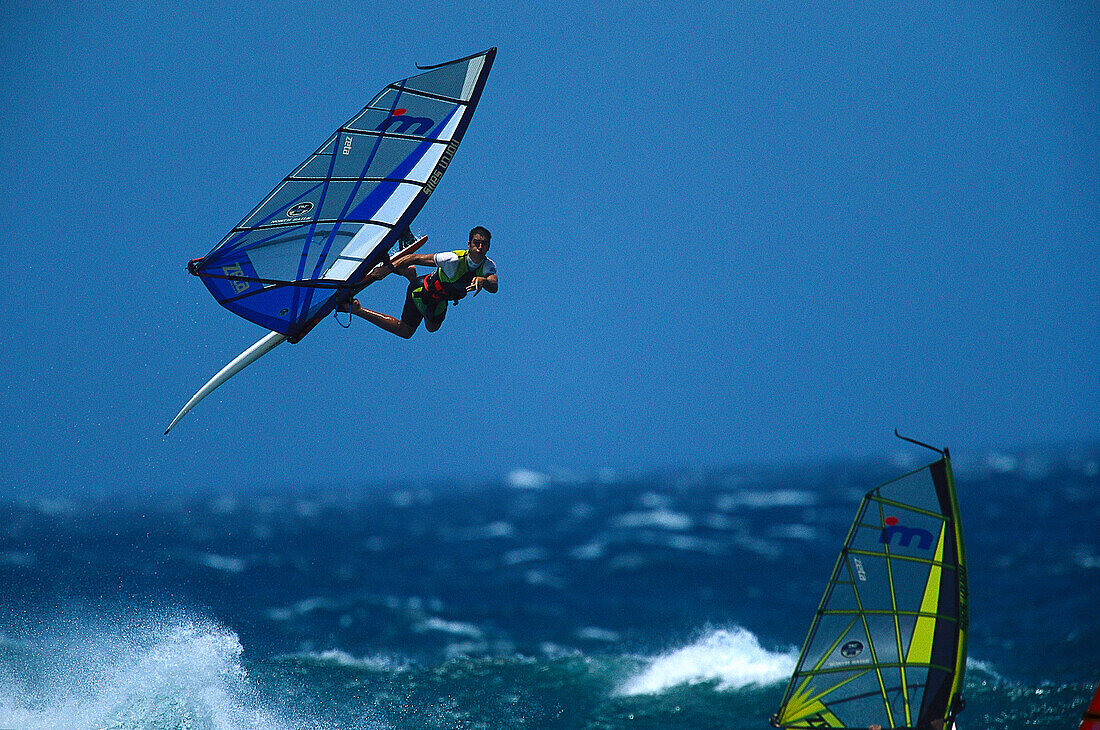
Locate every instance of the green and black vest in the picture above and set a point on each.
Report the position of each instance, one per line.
(438, 287)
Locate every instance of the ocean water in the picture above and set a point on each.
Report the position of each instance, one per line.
(675, 599)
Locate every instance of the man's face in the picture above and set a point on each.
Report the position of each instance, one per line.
(479, 246)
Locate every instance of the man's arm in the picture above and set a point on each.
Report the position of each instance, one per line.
(488, 283)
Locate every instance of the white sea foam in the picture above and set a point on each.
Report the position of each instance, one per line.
(595, 633)
(731, 658)
(793, 531)
(1084, 557)
(133, 674)
(591, 551)
(18, 558)
(527, 479)
(766, 548)
(662, 519)
(751, 499)
(977, 665)
(524, 555)
(690, 543)
(226, 563)
(456, 628)
(341, 658)
(303, 608)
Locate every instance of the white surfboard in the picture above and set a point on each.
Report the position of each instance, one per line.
(266, 344)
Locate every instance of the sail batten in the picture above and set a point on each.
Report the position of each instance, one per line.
(311, 241)
(887, 644)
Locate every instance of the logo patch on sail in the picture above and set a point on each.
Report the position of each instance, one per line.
(405, 124)
(851, 650)
(236, 270)
(906, 535)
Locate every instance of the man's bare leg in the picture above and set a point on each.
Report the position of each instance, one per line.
(381, 271)
(386, 322)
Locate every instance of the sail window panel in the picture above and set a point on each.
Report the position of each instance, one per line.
(419, 115)
(335, 206)
(325, 153)
(385, 102)
(858, 699)
(250, 240)
(342, 269)
(293, 201)
(316, 167)
(913, 535)
(473, 71)
(323, 240)
(422, 106)
(894, 697)
(345, 233)
(357, 151)
(843, 598)
(916, 489)
(910, 581)
(279, 258)
(875, 593)
(329, 146)
(841, 641)
(932, 523)
(448, 81)
(370, 119)
(448, 132)
(233, 242)
(868, 536)
(884, 638)
(272, 304)
(906, 627)
(391, 156)
(376, 202)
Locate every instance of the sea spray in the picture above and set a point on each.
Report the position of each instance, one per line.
(182, 673)
(731, 658)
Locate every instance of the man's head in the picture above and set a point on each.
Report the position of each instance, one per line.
(479, 243)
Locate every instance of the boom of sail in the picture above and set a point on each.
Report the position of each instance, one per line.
(308, 245)
(887, 646)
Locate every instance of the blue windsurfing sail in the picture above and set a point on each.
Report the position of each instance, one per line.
(310, 242)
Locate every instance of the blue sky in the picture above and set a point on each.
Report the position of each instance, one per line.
(724, 234)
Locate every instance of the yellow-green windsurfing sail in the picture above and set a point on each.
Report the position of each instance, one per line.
(887, 646)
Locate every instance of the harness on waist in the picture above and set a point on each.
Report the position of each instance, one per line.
(438, 287)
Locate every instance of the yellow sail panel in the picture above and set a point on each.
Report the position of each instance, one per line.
(806, 706)
(803, 705)
(920, 648)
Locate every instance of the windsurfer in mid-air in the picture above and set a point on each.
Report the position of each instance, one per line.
(457, 273)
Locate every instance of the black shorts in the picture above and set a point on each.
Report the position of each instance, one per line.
(418, 308)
